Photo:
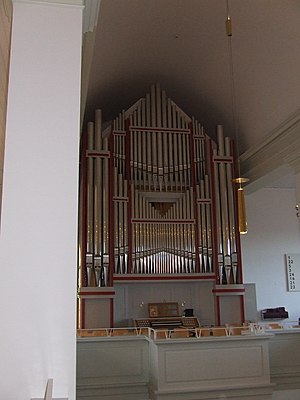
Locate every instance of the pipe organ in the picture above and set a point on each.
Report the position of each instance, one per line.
(157, 200)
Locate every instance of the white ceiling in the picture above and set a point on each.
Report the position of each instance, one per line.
(183, 45)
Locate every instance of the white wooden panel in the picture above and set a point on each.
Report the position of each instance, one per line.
(112, 361)
(189, 369)
(230, 310)
(286, 394)
(97, 313)
(285, 359)
(250, 302)
(121, 306)
(209, 367)
(223, 362)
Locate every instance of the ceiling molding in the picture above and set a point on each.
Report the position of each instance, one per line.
(90, 15)
(293, 159)
(88, 43)
(79, 3)
(277, 178)
(7, 10)
(89, 23)
(280, 148)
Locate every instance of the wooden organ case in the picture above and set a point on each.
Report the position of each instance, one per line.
(157, 202)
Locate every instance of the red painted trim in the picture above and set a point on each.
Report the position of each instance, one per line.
(111, 212)
(120, 199)
(218, 311)
(129, 206)
(213, 212)
(221, 159)
(163, 221)
(242, 300)
(119, 133)
(162, 278)
(78, 319)
(84, 205)
(83, 221)
(204, 201)
(102, 154)
(82, 314)
(111, 313)
(194, 184)
(97, 294)
(228, 290)
(158, 129)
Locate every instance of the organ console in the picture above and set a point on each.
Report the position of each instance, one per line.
(166, 316)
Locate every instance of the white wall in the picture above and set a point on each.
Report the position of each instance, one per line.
(5, 28)
(273, 231)
(286, 395)
(39, 216)
(132, 299)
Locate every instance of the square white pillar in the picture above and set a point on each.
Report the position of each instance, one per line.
(38, 244)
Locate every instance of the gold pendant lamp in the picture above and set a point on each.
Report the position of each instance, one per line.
(242, 216)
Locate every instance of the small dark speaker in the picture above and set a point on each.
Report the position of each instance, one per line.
(189, 312)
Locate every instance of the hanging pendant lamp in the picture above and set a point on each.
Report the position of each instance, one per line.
(242, 217)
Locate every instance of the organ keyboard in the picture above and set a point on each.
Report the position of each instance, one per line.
(167, 322)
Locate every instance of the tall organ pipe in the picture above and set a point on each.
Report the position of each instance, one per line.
(90, 205)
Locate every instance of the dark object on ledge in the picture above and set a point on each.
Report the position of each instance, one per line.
(274, 313)
(189, 312)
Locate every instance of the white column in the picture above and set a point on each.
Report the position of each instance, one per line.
(39, 209)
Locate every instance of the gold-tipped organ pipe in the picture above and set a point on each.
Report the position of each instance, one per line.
(218, 223)
(116, 223)
(223, 194)
(98, 187)
(105, 198)
(208, 224)
(230, 197)
(125, 229)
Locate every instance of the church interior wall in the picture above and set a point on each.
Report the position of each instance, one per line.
(273, 231)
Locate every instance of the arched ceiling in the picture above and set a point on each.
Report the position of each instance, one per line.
(183, 45)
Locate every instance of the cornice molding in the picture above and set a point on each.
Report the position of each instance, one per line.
(7, 8)
(90, 15)
(77, 3)
(90, 20)
(281, 147)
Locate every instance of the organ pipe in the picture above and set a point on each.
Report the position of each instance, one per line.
(171, 199)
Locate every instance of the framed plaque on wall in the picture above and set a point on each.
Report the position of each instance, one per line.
(293, 272)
